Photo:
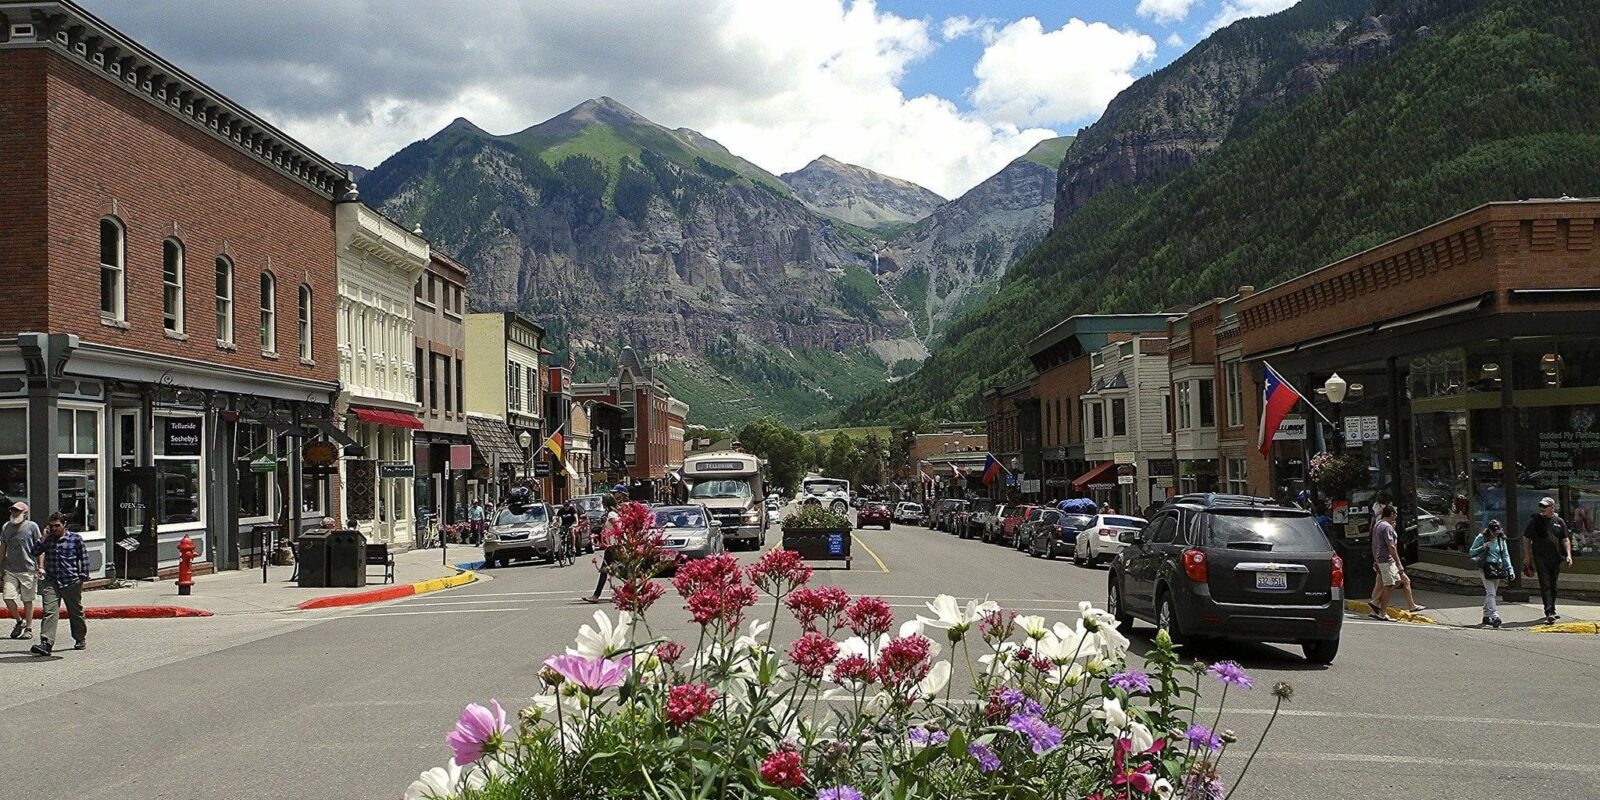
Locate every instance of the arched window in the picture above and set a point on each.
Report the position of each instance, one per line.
(113, 257)
(172, 285)
(224, 300)
(305, 322)
(269, 313)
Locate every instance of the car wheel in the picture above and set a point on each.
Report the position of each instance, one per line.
(840, 508)
(1167, 617)
(1322, 651)
(1115, 608)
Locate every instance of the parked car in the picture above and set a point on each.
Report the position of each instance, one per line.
(1010, 520)
(978, 515)
(1102, 540)
(689, 532)
(991, 526)
(1055, 532)
(943, 511)
(874, 514)
(908, 513)
(1232, 567)
(1020, 537)
(520, 532)
(955, 520)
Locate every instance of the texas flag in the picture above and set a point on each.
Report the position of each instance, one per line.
(991, 470)
(1277, 399)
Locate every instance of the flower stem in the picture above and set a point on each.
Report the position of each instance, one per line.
(1247, 762)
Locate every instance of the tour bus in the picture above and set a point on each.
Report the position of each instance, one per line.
(832, 493)
(729, 485)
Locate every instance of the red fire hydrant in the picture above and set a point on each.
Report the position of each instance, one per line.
(185, 565)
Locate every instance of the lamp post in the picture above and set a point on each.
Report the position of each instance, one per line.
(1335, 388)
(526, 440)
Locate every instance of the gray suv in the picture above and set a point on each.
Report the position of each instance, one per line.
(520, 531)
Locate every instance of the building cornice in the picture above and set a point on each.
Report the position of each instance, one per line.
(372, 233)
(68, 29)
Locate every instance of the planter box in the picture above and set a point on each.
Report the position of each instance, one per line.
(819, 544)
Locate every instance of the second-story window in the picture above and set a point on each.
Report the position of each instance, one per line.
(1119, 417)
(533, 390)
(1235, 387)
(172, 285)
(1207, 389)
(224, 300)
(1185, 406)
(1098, 425)
(305, 322)
(113, 260)
(269, 313)
(513, 387)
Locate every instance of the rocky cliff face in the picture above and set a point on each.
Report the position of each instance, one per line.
(858, 195)
(611, 229)
(1168, 121)
(957, 255)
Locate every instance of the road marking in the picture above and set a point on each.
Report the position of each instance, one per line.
(1495, 765)
(1430, 718)
(421, 613)
(881, 565)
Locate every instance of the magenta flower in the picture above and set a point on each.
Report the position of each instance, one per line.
(479, 732)
(593, 675)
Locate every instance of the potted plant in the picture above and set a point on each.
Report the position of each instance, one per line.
(1338, 475)
(818, 534)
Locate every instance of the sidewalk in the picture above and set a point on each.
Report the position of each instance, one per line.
(242, 592)
(1463, 610)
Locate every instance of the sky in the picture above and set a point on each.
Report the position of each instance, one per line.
(941, 92)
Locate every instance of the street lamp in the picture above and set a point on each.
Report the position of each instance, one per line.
(526, 440)
(1338, 390)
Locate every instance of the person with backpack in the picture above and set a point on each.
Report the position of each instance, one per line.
(1493, 558)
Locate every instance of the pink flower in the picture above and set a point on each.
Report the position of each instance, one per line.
(854, 667)
(686, 702)
(903, 663)
(820, 604)
(479, 732)
(779, 571)
(593, 675)
(783, 769)
(726, 607)
(637, 595)
(669, 652)
(1140, 778)
(869, 617)
(813, 653)
(717, 573)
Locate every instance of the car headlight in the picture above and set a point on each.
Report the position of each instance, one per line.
(750, 517)
(491, 535)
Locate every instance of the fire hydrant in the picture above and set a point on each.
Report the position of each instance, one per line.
(185, 565)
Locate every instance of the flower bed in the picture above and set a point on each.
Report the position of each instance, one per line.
(853, 708)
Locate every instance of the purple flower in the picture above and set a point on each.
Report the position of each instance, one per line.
(1200, 786)
(1041, 736)
(924, 737)
(1015, 700)
(987, 760)
(1229, 672)
(1200, 736)
(591, 674)
(839, 793)
(1131, 681)
(479, 732)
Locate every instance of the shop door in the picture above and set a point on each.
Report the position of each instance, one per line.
(133, 516)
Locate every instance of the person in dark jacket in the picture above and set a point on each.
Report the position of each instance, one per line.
(1548, 545)
(63, 567)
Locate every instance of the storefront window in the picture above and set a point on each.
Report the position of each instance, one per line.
(255, 488)
(78, 470)
(14, 454)
(1559, 449)
(177, 460)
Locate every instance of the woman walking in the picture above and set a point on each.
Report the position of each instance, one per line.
(608, 559)
(1490, 553)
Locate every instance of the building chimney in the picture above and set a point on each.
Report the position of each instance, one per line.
(1246, 291)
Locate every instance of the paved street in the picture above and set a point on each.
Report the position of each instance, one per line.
(354, 703)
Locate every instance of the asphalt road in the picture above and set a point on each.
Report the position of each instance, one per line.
(354, 703)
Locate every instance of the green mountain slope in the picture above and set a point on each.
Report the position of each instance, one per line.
(1489, 100)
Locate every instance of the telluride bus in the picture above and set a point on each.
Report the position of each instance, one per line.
(729, 485)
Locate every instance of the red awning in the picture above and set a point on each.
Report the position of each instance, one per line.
(394, 419)
(1092, 476)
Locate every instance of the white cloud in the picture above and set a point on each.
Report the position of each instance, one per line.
(1174, 40)
(1030, 76)
(777, 83)
(1234, 10)
(1165, 11)
(957, 27)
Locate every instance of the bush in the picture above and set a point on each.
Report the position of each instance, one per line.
(815, 517)
(1336, 476)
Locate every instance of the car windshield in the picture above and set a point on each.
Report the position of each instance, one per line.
(1077, 522)
(588, 502)
(1123, 522)
(520, 516)
(720, 489)
(679, 518)
(823, 486)
(1265, 531)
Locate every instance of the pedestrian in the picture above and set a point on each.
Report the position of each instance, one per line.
(62, 572)
(1494, 559)
(1386, 560)
(1549, 545)
(609, 559)
(475, 520)
(18, 536)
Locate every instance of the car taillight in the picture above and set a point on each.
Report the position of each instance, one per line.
(1194, 565)
(1338, 572)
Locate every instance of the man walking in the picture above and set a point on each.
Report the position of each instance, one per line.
(62, 570)
(17, 538)
(1386, 559)
(1549, 545)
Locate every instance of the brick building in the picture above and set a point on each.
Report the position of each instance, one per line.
(176, 253)
(652, 422)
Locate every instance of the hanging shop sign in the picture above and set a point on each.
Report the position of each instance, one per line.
(320, 453)
(182, 436)
(397, 469)
(264, 464)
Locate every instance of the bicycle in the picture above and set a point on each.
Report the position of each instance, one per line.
(565, 556)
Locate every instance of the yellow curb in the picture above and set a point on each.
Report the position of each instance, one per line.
(1363, 607)
(439, 584)
(1580, 626)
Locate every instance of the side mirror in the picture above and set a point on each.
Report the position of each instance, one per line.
(1131, 537)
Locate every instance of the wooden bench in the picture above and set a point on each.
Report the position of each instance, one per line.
(378, 555)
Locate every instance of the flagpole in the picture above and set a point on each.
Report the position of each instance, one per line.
(1301, 395)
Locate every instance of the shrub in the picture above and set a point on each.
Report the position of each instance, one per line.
(815, 517)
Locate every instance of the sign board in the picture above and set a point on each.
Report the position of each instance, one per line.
(1293, 429)
(1123, 458)
(719, 466)
(1030, 486)
(1125, 480)
(361, 488)
(182, 436)
(397, 469)
(836, 544)
(461, 457)
(1361, 429)
(129, 544)
(1164, 482)
(541, 468)
(264, 464)
(320, 453)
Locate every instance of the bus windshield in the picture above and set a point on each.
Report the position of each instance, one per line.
(736, 488)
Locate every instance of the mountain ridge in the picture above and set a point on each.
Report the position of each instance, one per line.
(858, 195)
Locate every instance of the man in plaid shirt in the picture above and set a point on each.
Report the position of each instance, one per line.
(62, 571)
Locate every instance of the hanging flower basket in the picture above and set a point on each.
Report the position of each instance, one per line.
(1336, 476)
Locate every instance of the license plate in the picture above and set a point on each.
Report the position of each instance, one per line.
(1272, 580)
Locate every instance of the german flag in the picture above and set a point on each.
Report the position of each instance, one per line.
(556, 445)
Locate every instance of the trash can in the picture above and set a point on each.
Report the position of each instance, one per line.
(314, 559)
(347, 559)
(1359, 577)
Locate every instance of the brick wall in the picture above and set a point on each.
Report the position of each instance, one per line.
(23, 237)
(111, 152)
(1062, 387)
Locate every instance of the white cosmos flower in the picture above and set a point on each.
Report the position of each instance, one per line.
(1112, 712)
(930, 687)
(1141, 736)
(603, 640)
(1032, 625)
(753, 641)
(995, 663)
(442, 783)
(1062, 644)
(1112, 642)
(951, 617)
(1071, 675)
(1162, 788)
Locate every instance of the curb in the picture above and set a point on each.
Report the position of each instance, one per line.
(390, 593)
(1580, 626)
(127, 612)
(1363, 607)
